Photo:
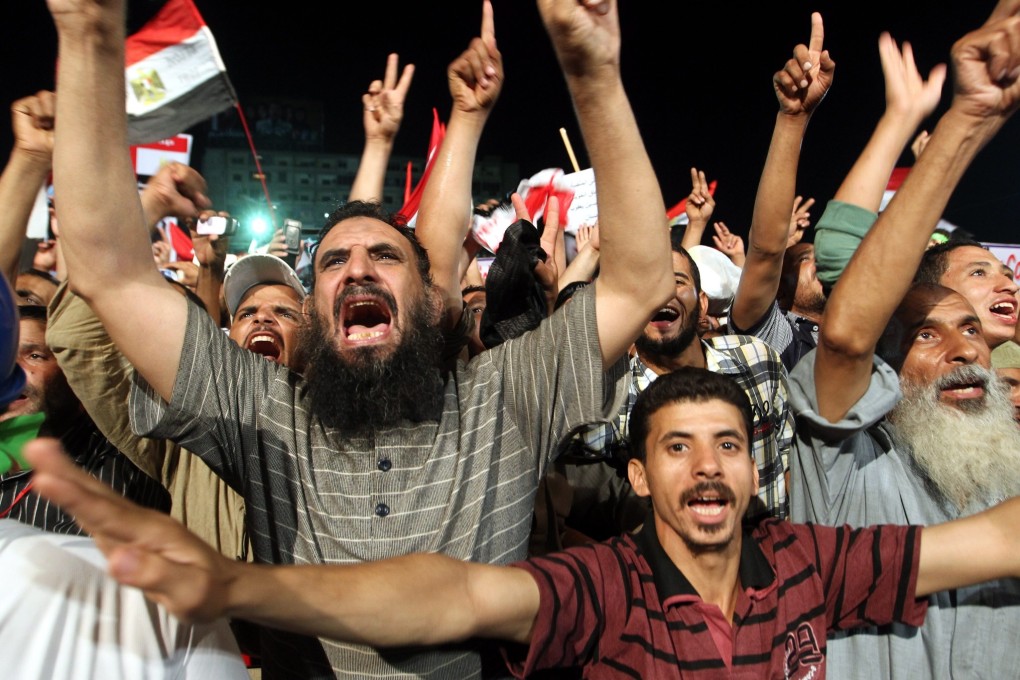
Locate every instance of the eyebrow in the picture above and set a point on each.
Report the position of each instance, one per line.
(970, 319)
(374, 249)
(720, 434)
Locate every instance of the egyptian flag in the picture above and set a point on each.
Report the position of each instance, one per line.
(175, 76)
(412, 198)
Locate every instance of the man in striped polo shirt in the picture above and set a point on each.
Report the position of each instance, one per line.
(694, 594)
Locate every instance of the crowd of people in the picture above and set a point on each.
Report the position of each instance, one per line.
(653, 458)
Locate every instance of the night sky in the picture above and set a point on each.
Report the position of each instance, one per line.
(698, 74)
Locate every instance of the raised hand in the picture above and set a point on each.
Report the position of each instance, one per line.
(384, 102)
(700, 203)
(917, 146)
(800, 220)
(545, 272)
(584, 33)
(806, 78)
(476, 76)
(32, 122)
(176, 190)
(730, 244)
(144, 548)
(906, 92)
(587, 237)
(986, 66)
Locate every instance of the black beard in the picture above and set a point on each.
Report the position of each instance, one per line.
(371, 391)
(670, 348)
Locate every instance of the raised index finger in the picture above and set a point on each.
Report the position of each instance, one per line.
(817, 33)
(488, 33)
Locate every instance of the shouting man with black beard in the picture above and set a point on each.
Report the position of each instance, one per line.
(380, 452)
(669, 342)
(899, 419)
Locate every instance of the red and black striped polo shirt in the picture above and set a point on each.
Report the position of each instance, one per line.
(622, 608)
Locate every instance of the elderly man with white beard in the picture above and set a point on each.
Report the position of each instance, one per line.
(899, 419)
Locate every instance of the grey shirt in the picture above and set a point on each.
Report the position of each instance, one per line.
(851, 473)
(464, 486)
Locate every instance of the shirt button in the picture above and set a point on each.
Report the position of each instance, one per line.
(384, 464)
(382, 509)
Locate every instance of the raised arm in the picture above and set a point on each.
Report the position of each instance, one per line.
(383, 109)
(26, 170)
(103, 234)
(636, 274)
(800, 86)
(444, 218)
(909, 99)
(419, 599)
(699, 207)
(986, 64)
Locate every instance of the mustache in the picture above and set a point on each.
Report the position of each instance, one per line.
(719, 489)
(970, 374)
(367, 289)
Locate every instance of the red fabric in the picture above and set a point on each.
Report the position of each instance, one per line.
(174, 23)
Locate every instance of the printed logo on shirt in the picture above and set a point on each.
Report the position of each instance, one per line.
(803, 656)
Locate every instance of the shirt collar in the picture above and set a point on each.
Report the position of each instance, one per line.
(756, 574)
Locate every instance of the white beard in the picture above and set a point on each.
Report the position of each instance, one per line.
(970, 453)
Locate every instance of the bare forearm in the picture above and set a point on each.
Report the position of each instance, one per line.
(444, 215)
(581, 268)
(422, 599)
(19, 185)
(634, 240)
(865, 184)
(368, 183)
(101, 223)
(770, 222)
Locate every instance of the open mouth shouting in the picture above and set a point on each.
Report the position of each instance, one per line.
(665, 317)
(709, 502)
(963, 385)
(1005, 310)
(366, 317)
(265, 343)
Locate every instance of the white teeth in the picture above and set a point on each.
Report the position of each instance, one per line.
(264, 338)
(709, 510)
(364, 336)
(362, 303)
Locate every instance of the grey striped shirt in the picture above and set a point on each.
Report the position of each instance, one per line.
(464, 486)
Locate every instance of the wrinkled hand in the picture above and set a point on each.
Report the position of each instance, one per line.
(384, 102)
(986, 66)
(476, 76)
(700, 203)
(32, 122)
(730, 244)
(144, 548)
(800, 220)
(176, 190)
(584, 33)
(807, 77)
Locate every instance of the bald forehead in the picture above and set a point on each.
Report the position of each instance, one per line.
(927, 302)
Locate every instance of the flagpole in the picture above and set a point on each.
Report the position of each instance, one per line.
(570, 149)
(258, 166)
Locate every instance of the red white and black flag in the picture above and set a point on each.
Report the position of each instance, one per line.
(175, 76)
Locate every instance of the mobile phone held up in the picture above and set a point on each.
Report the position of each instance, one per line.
(292, 236)
(215, 224)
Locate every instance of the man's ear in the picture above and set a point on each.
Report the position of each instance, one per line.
(703, 304)
(636, 475)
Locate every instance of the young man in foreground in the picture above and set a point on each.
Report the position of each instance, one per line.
(691, 594)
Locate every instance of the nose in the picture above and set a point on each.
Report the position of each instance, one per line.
(360, 266)
(705, 462)
(965, 349)
(264, 315)
(1007, 284)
